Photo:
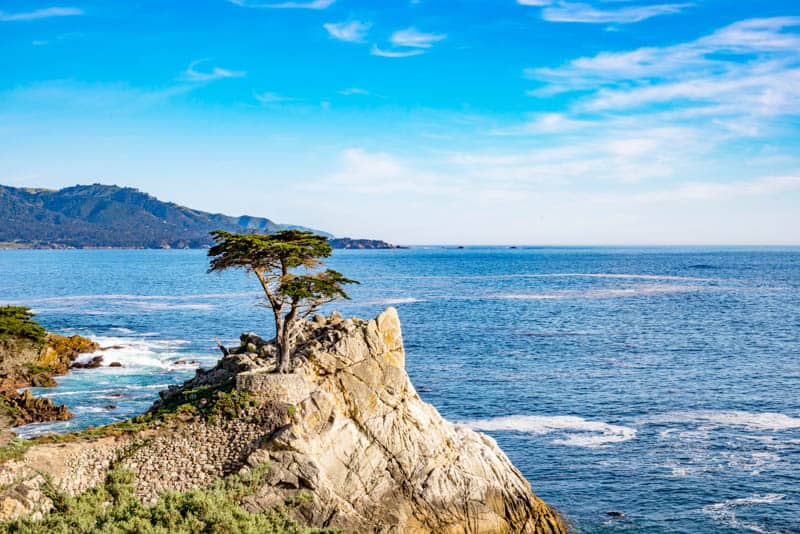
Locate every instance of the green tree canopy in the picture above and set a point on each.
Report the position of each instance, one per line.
(283, 263)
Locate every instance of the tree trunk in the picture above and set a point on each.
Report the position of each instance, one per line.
(284, 362)
(286, 341)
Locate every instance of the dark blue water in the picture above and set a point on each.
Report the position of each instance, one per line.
(662, 383)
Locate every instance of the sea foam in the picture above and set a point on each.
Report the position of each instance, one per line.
(747, 420)
(725, 512)
(571, 430)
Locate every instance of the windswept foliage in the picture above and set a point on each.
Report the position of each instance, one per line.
(17, 322)
(113, 508)
(292, 296)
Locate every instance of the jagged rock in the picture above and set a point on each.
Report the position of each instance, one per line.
(60, 351)
(24, 408)
(93, 363)
(346, 427)
(115, 364)
(25, 363)
(375, 457)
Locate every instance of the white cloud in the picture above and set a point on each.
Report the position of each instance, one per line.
(543, 123)
(377, 51)
(353, 32)
(738, 78)
(413, 38)
(314, 4)
(708, 191)
(350, 91)
(535, 2)
(192, 73)
(40, 14)
(271, 98)
(579, 12)
(379, 173)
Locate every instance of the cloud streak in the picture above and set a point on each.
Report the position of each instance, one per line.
(37, 14)
(585, 13)
(314, 4)
(412, 38)
(193, 74)
(351, 32)
(378, 51)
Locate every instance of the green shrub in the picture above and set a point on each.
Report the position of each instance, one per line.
(113, 508)
(17, 322)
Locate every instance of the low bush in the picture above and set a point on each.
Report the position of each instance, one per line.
(17, 322)
(113, 508)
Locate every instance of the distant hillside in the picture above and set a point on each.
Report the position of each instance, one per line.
(119, 217)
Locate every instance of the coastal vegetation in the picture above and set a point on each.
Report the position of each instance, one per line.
(16, 322)
(275, 259)
(30, 357)
(113, 508)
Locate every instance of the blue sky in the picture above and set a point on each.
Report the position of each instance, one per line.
(428, 121)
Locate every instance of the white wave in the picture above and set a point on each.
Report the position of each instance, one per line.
(620, 276)
(633, 291)
(572, 430)
(747, 420)
(725, 512)
(160, 306)
(122, 330)
(131, 297)
(136, 351)
(393, 301)
(89, 392)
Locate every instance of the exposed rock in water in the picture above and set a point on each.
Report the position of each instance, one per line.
(93, 363)
(346, 428)
(61, 351)
(29, 363)
(24, 408)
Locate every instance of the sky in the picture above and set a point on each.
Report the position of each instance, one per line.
(540, 122)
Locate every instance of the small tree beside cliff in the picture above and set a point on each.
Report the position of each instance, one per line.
(284, 264)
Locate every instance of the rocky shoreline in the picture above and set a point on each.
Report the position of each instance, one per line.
(31, 358)
(345, 439)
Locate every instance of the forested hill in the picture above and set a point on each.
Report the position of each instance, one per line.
(118, 217)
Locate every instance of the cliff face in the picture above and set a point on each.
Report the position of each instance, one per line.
(346, 429)
(26, 363)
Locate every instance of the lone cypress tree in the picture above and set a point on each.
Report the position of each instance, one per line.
(274, 259)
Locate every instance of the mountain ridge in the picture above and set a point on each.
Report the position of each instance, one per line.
(111, 216)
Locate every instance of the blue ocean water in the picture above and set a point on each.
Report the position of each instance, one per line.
(663, 383)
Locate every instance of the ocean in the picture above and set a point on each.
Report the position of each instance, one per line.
(659, 383)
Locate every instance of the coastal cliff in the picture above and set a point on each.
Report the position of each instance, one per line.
(345, 438)
(29, 357)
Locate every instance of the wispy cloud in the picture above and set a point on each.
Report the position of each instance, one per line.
(407, 43)
(749, 70)
(314, 4)
(708, 191)
(110, 98)
(272, 98)
(378, 51)
(352, 32)
(350, 91)
(193, 74)
(412, 38)
(586, 13)
(43, 13)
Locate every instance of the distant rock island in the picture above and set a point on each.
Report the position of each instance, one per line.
(109, 216)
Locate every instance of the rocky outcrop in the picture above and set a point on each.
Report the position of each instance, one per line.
(346, 429)
(29, 363)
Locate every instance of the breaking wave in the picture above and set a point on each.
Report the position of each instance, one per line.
(748, 420)
(569, 429)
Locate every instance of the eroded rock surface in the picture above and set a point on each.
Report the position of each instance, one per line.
(346, 428)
